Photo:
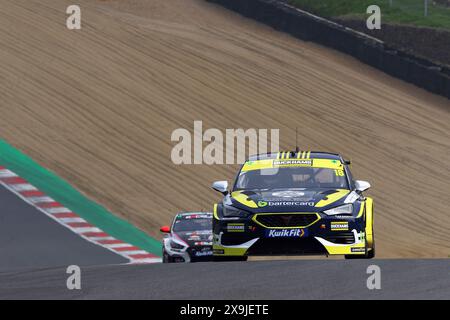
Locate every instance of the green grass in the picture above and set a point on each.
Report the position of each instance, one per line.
(410, 12)
(63, 192)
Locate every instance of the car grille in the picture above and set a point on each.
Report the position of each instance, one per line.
(286, 220)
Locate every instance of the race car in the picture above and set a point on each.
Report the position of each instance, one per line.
(293, 203)
(189, 238)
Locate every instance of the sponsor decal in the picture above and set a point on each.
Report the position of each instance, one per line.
(203, 243)
(203, 253)
(286, 233)
(358, 250)
(196, 216)
(200, 232)
(343, 217)
(262, 204)
(290, 203)
(218, 251)
(235, 227)
(361, 236)
(339, 226)
(288, 194)
(287, 163)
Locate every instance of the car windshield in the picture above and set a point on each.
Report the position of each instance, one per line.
(198, 224)
(291, 177)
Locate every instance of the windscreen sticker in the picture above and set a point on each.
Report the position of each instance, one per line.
(195, 216)
(283, 163)
(339, 172)
(293, 163)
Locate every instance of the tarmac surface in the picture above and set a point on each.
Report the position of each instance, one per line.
(299, 279)
(30, 239)
(35, 252)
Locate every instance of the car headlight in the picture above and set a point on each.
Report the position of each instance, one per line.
(344, 210)
(176, 245)
(234, 212)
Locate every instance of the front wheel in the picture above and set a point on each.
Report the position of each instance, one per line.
(370, 254)
(165, 257)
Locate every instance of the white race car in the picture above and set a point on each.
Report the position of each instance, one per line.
(189, 238)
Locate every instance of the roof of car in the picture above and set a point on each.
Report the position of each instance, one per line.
(193, 213)
(297, 155)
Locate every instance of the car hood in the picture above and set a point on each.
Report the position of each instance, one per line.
(292, 200)
(196, 238)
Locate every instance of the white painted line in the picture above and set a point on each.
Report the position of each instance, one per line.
(145, 261)
(58, 210)
(118, 245)
(84, 230)
(21, 187)
(97, 239)
(129, 253)
(7, 174)
(69, 220)
(40, 199)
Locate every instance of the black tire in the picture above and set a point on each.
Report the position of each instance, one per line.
(166, 257)
(229, 258)
(368, 255)
(355, 257)
(371, 253)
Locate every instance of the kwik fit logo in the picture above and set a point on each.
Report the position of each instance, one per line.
(285, 233)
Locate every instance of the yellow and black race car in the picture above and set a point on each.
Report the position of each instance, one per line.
(293, 203)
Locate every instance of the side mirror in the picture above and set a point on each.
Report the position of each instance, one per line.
(361, 186)
(165, 229)
(221, 186)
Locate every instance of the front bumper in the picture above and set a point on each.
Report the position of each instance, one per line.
(324, 236)
(190, 254)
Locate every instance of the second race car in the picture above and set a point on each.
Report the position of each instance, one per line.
(189, 238)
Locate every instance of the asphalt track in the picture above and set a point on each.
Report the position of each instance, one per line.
(35, 252)
(30, 239)
(300, 279)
